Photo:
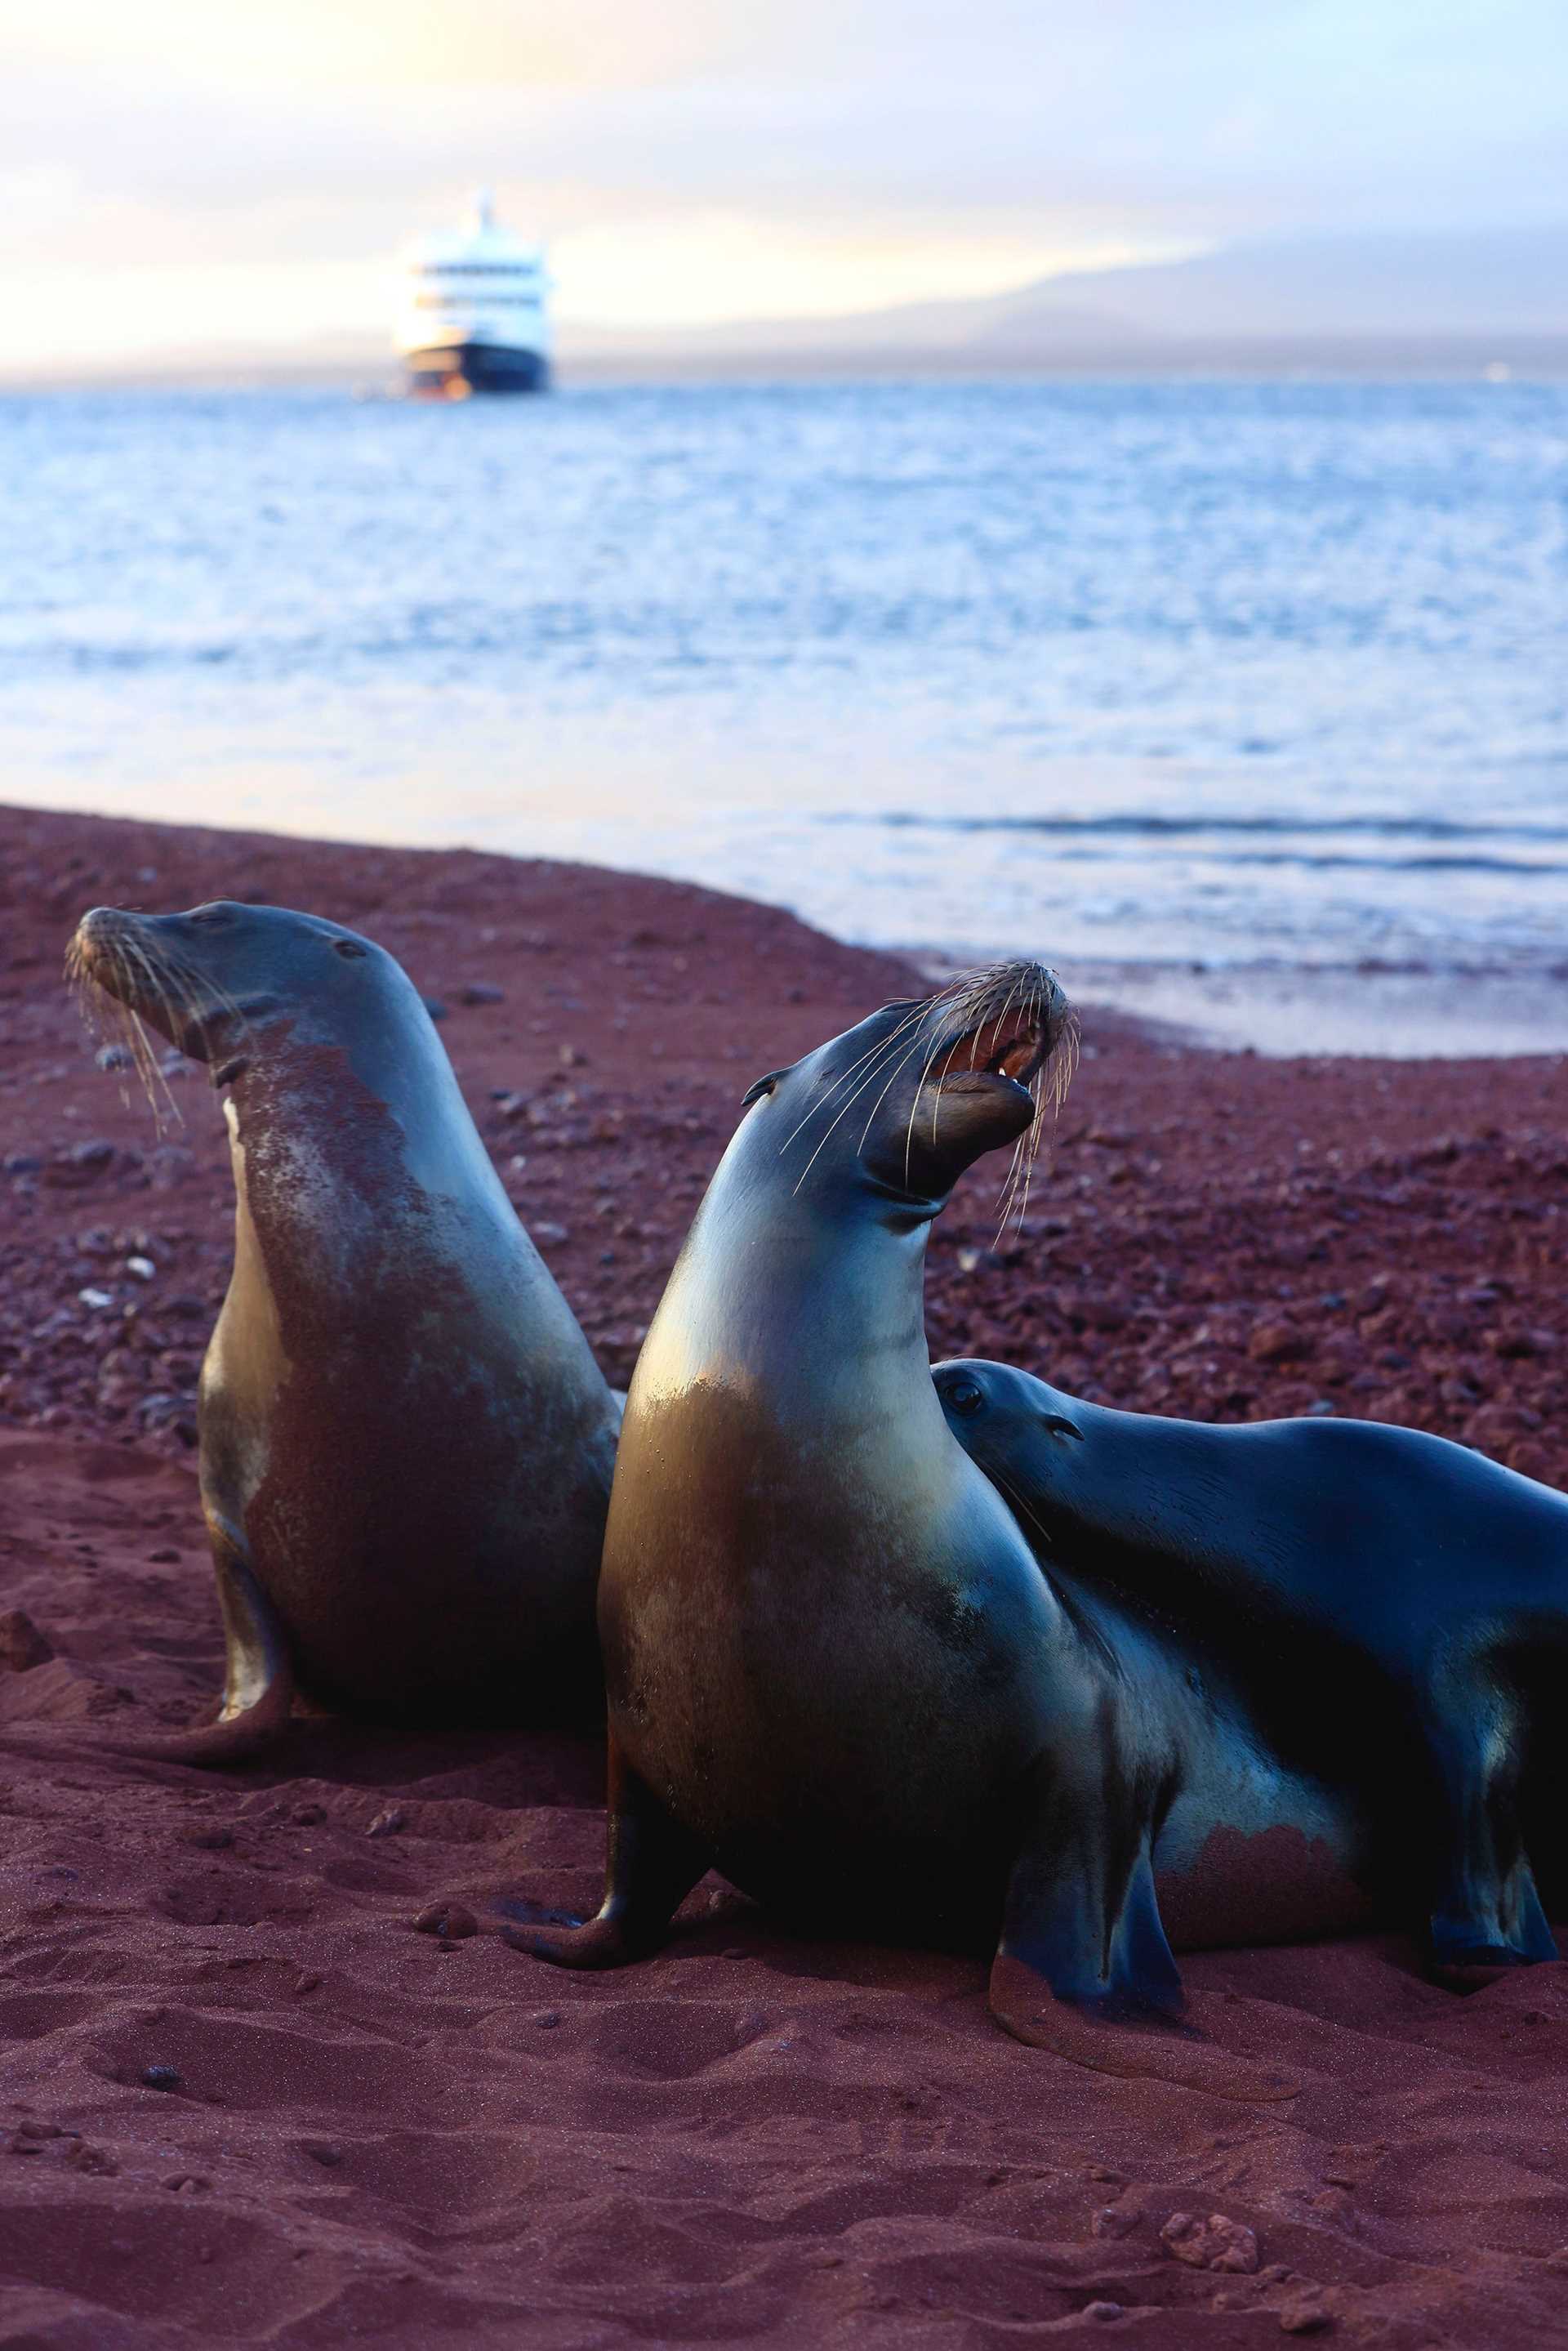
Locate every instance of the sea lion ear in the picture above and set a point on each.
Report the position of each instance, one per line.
(762, 1086)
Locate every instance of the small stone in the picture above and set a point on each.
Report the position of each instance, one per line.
(1102, 2310)
(480, 991)
(165, 1557)
(1272, 1343)
(448, 1918)
(1114, 2221)
(546, 2019)
(141, 1269)
(550, 1236)
(160, 2077)
(97, 1298)
(1304, 2317)
(22, 1645)
(327, 2156)
(387, 1824)
(1216, 2243)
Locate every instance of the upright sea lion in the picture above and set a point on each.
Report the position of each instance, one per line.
(835, 1668)
(1395, 1606)
(406, 1444)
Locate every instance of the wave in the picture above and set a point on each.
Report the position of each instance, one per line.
(1154, 825)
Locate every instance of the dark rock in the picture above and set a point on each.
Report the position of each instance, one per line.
(22, 1645)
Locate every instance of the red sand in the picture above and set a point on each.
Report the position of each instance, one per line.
(372, 2140)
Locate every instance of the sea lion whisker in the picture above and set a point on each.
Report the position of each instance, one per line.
(873, 1052)
(907, 1056)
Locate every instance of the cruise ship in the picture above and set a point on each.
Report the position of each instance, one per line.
(474, 310)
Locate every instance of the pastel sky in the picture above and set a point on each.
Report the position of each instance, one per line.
(181, 173)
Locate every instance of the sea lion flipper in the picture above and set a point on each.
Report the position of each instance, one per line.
(651, 1864)
(258, 1675)
(1487, 1915)
(1084, 1968)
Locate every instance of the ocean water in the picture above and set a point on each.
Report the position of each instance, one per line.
(1150, 676)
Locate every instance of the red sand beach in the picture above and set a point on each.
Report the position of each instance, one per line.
(364, 2137)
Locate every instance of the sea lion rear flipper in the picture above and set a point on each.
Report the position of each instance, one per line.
(1084, 1970)
(651, 1865)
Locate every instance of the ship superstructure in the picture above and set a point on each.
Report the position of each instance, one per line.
(474, 314)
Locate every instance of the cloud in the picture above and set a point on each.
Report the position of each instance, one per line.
(757, 147)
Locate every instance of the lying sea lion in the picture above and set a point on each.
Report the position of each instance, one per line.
(835, 1668)
(1396, 1608)
(406, 1444)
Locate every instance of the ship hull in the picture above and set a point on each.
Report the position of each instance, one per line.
(451, 369)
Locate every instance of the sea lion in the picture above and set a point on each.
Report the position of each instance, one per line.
(1395, 1606)
(834, 1667)
(405, 1444)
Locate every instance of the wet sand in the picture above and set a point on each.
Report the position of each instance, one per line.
(367, 2138)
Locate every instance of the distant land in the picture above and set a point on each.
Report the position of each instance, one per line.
(1433, 302)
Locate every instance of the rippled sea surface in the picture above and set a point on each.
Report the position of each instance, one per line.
(1217, 673)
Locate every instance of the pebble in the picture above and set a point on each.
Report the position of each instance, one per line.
(480, 991)
(388, 1823)
(1304, 2317)
(1216, 2244)
(161, 2077)
(141, 1269)
(450, 1919)
(22, 1645)
(1102, 2310)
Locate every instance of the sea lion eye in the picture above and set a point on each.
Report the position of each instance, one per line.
(347, 947)
(965, 1398)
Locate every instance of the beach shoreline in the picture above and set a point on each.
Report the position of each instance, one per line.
(750, 2135)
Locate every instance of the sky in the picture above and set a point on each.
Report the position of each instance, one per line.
(178, 174)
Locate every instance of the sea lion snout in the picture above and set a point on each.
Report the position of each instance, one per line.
(203, 977)
(917, 1092)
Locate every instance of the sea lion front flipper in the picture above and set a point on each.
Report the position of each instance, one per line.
(651, 1865)
(1084, 1968)
(1487, 1915)
(258, 1677)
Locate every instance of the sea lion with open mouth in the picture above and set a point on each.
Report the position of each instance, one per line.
(835, 1668)
(1395, 1606)
(406, 1444)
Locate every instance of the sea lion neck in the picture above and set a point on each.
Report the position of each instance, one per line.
(811, 1296)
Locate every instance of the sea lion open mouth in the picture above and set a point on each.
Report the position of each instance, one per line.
(1015, 1048)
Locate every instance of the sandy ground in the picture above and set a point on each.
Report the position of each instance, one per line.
(242, 2101)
